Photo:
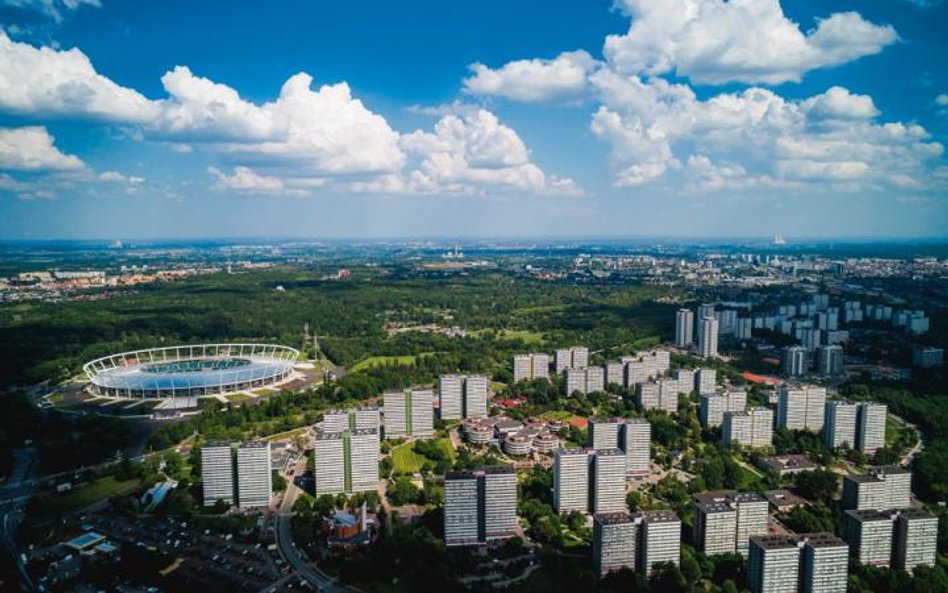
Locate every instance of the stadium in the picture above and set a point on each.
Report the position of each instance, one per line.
(190, 371)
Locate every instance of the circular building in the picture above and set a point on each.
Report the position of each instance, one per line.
(546, 442)
(517, 444)
(190, 371)
(478, 432)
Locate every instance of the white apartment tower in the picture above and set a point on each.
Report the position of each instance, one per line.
(870, 434)
(409, 412)
(462, 396)
(684, 328)
(659, 539)
(608, 481)
(571, 480)
(614, 542)
(480, 506)
(254, 475)
(801, 408)
(217, 472)
(637, 445)
(527, 367)
(708, 340)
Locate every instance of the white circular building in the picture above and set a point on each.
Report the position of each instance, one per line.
(190, 371)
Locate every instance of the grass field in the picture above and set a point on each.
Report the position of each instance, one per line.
(373, 361)
(406, 461)
(561, 415)
(523, 334)
(84, 496)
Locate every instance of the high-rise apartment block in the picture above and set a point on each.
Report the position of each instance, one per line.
(637, 542)
(705, 311)
(801, 408)
(527, 367)
(614, 542)
(254, 475)
(576, 357)
(839, 428)
(662, 395)
(408, 413)
(608, 481)
(916, 539)
(870, 432)
(860, 426)
(585, 380)
(684, 328)
(659, 539)
(900, 538)
(588, 480)
(462, 396)
(359, 418)
(711, 407)
(885, 487)
(824, 564)
(869, 534)
(794, 361)
(708, 340)
(571, 482)
(807, 563)
(480, 506)
(829, 360)
(637, 446)
(753, 428)
(706, 381)
(631, 435)
(346, 462)
(898, 485)
(241, 477)
(217, 472)
(725, 520)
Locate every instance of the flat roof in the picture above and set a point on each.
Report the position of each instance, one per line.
(612, 518)
(86, 540)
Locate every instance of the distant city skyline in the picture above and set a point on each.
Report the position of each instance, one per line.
(626, 119)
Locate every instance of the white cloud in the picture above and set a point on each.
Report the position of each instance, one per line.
(31, 149)
(116, 177)
(245, 180)
(756, 137)
(48, 82)
(466, 154)
(838, 103)
(202, 110)
(563, 77)
(751, 41)
(304, 139)
(941, 100)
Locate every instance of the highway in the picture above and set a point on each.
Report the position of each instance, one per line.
(11, 509)
(319, 580)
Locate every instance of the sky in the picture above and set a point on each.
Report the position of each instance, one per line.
(124, 119)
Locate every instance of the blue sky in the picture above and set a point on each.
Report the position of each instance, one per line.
(131, 119)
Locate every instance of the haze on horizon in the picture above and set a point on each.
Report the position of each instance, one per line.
(679, 118)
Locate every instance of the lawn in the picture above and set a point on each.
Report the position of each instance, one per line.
(526, 335)
(561, 415)
(373, 361)
(406, 461)
(84, 496)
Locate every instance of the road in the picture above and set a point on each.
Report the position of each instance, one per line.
(11, 510)
(919, 443)
(319, 580)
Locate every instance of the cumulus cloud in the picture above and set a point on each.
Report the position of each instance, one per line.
(465, 153)
(750, 41)
(563, 77)
(941, 100)
(49, 82)
(756, 137)
(31, 149)
(245, 180)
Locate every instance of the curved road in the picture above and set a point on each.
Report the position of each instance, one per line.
(319, 580)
